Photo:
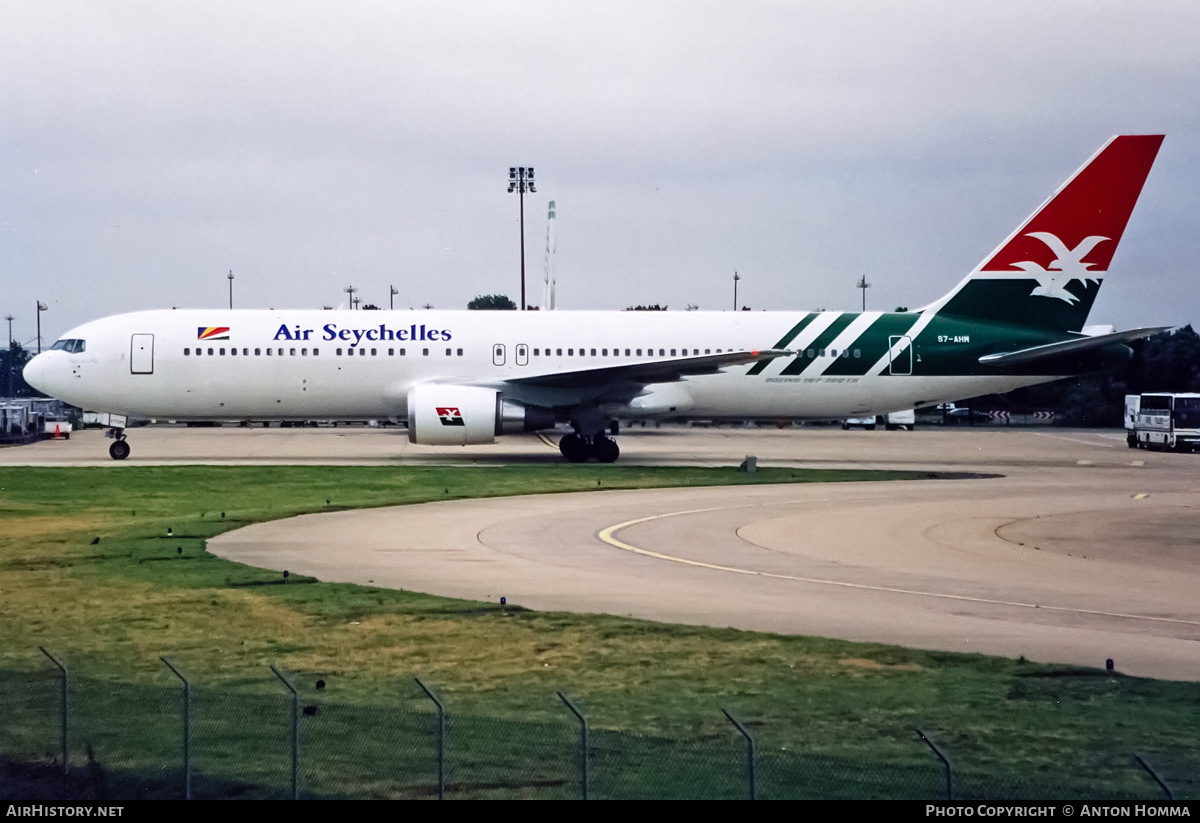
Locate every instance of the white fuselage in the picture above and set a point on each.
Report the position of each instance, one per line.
(342, 365)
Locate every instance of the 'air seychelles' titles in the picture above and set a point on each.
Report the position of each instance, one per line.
(330, 331)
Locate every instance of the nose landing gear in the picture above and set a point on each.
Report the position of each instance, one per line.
(119, 449)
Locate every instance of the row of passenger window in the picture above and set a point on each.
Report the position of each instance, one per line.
(303, 352)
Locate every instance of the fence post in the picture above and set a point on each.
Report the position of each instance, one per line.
(583, 742)
(295, 734)
(187, 704)
(63, 669)
(749, 748)
(945, 760)
(441, 738)
(1162, 784)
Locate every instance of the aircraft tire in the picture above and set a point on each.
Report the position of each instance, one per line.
(606, 450)
(573, 448)
(119, 450)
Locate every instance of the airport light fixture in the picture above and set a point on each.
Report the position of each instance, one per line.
(8, 376)
(864, 285)
(350, 290)
(230, 275)
(392, 298)
(735, 282)
(520, 180)
(41, 308)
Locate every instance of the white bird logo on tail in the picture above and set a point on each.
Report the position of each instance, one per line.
(1067, 266)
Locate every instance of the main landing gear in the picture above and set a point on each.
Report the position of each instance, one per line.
(578, 449)
(119, 449)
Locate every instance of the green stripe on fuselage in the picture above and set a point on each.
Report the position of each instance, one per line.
(758, 367)
(823, 340)
(950, 346)
(872, 344)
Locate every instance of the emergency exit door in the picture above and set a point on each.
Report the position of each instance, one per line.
(141, 354)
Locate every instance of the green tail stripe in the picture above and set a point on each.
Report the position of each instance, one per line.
(872, 344)
(758, 367)
(826, 337)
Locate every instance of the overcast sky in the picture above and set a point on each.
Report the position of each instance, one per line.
(148, 148)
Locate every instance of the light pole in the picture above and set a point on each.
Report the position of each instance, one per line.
(41, 308)
(864, 285)
(8, 372)
(735, 282)
(520, 179)
(350, 290)
(392, 298)
(231, 288)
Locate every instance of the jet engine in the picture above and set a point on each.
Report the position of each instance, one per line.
(444, 414)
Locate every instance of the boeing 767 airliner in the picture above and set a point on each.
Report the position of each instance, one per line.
(460, 378)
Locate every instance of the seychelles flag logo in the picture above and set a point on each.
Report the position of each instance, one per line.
(212, 333)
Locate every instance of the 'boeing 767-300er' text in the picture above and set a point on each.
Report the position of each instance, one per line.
(461, 378)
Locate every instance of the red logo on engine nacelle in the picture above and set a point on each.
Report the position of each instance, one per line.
(450, 416)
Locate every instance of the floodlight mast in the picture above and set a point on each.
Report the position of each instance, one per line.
(520, 179)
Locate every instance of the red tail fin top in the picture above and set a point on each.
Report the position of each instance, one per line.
(1080, 225)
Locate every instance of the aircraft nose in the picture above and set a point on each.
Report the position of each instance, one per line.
(35, 373)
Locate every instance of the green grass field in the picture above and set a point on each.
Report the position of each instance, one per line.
(89, 573)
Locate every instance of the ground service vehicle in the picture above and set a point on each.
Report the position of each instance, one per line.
(1164, 421)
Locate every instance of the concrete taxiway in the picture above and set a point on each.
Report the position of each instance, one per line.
(1080, 550)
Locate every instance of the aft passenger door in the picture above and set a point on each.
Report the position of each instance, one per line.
(141, 354)
(900, 354)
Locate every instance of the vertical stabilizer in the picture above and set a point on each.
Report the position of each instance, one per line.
(1047, 273)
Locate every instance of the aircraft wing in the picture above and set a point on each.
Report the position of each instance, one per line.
(644, 373)
(1102, 350)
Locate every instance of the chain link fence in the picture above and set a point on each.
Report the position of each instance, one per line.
(132, 741)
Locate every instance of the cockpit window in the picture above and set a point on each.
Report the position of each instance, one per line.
(72, 346)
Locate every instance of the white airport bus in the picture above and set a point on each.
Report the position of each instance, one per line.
(1163, 421)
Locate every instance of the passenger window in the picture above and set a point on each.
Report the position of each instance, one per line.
(662, 353)
(593, 352)
(448, 352)
(362, 352)
(558, 352)
(339, 352)
(402, 352)
(425, 352)
(672, 352)
(210, 351)
(857, 353)
(316, 352)
(245, 352)
(232, 352)
(187, 351)
(460, 353)
(373, 352)
(570, 352)
(268, 352)
(391, 352)
(304, 352)
(292, 352)
(257, 352)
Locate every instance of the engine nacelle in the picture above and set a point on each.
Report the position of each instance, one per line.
(443, 414)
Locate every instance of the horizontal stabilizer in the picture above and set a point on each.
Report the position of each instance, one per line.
(1081, 349)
